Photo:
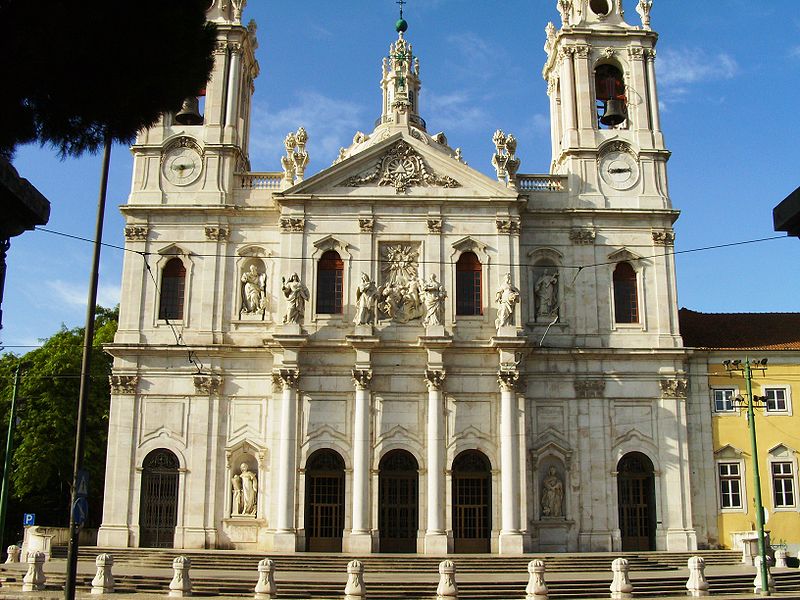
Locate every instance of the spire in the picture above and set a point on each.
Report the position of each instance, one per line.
(400, 81)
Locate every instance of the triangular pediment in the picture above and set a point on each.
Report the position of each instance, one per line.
(400, 166)
(623, 254)
(729, 452)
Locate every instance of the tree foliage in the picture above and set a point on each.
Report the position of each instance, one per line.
(72, 71)
(47, 403)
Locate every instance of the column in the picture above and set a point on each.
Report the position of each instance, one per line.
(510, 534)
(435, 534)
(568, 97)
(285, 532)
(360, 539)
(232, 104)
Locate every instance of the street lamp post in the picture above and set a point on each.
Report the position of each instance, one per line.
(12, 422)
(747, 369)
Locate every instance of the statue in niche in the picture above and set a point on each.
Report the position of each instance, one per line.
(296, 295)
(236, 502)
(552, 495)
(254, 291)
(546, 294)
(434, 295)
(366, 301)
(507, 298)
(249, 490)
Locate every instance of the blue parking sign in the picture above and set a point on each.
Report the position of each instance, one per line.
(29, 519)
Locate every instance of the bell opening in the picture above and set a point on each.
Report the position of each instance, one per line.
(611, 105)
(600, 7)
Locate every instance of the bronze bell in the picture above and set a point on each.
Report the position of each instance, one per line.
(189, 114)
(615, 112)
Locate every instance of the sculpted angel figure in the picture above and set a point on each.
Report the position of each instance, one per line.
(433, 295)
(296, 295)
(254, 291)
(366, 300)
(506, 297)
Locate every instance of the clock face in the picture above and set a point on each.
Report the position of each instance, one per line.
(182, 165)
(619, 170)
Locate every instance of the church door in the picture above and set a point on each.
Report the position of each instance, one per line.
(158, 505)
(398, 516)
(637, 506)
(472, 493)
(324, 501)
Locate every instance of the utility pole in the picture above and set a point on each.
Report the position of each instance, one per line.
(12, 423)
(747, 370)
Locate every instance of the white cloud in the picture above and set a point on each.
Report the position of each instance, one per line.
(454, 111)
(693, 65)
(75, 294)
(330, 123)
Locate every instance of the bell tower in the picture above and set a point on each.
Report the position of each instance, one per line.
(198, 149)
(605, 124)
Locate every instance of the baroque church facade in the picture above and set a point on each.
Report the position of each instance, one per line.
(397, 354)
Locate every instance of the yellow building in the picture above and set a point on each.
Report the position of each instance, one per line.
(717, 338)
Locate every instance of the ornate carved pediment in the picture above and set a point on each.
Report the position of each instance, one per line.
(401, 167)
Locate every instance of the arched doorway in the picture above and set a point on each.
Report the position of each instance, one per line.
(324, 501)
(636, 495)
(158, 505)
(472, 493)
(398, 502)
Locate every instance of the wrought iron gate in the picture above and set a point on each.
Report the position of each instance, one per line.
(398, 516)
(636, 497)
(158, 507)
(472, 493)
(324, 502)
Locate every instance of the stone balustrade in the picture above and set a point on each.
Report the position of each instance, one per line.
(542, 183)
(261, 181)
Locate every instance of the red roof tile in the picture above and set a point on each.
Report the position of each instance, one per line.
(759, 331)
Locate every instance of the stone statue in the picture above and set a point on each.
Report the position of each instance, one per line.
(366, 300)
(506, 297)
(254, 291)
(552, 494)
(399, 296)
(546, 291)
(296, 295)
(249, 490)
(434, 295)
(236, 502)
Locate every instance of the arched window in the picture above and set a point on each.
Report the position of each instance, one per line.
(626, 297)
(173, 285)
(330, 283)
(468, 285)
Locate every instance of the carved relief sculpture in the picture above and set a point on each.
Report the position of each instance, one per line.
(674, 388)
(123, 384)
(434, 378)
(507, 298)
(136, 233)
(399, 296)
(434, 296)
(552, 495)
(253, 291)
(296, 295)
(546, 294)
(366, 301)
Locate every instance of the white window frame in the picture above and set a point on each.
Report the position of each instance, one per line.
(732, 410)
(787, 397)
(792, 478)
(742, 508)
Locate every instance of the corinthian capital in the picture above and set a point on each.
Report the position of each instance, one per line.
(434, 378)
(362, 378)
(508, 377)
(286, 378)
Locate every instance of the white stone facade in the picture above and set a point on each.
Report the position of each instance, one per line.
(543, 381)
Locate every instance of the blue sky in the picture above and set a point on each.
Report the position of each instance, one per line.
(728, 79)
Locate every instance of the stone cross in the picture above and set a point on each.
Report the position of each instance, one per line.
(265, 588)
(103, 582)
(34, 579)
(537, 588)
(621, 586)
(697, 584)
(181, 584)
(447, 587)
(355, 590)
